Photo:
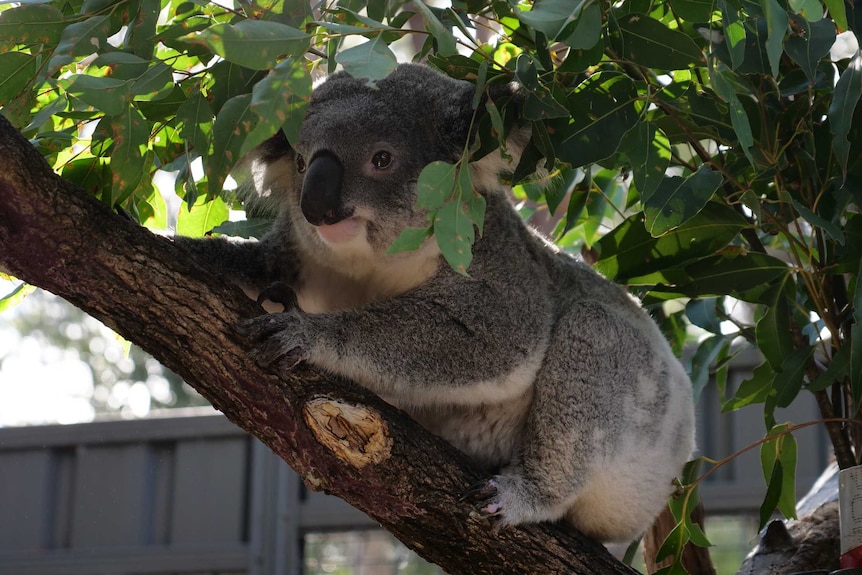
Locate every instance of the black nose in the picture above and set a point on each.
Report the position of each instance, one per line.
(321, 190)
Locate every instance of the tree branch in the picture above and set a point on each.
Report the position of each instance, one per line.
(339, 437)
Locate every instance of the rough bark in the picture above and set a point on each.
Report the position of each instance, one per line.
(339, 437)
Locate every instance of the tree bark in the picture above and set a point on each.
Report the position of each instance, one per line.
(339, 437)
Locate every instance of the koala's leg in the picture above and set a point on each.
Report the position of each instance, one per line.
(609, 428)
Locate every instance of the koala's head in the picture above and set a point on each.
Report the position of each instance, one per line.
(361, 150)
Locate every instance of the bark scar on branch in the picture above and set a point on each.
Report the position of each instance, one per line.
(356, 434)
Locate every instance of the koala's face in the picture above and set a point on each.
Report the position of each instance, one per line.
(361, 150)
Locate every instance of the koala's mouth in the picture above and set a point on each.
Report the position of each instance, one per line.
(341, 231)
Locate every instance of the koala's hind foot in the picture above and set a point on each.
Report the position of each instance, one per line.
(508, 499)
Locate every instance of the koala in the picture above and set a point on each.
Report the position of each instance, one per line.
(551, 378)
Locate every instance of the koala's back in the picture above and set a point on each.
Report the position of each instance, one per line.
(630, 405)
(608, 420)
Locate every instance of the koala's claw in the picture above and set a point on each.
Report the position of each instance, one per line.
(273, 346)
(483, 495)
(279, 292)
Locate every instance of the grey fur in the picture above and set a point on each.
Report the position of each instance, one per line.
(538, 368)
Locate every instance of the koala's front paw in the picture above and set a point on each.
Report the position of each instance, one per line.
(277, 339)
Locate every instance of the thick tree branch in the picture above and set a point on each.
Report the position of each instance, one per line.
(340, 438)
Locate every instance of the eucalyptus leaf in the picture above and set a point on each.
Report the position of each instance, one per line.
(453, 229)
(202, 217)
(810, 43)
(232, 126)
(446, 43)
(19, 70)
(846, 96)
(776, 29)
(80, 39)
(255, 44)
(551, 16)
(128, 158)
(372, 60)
(109, 95)
(676, 200)
(31, 24)
(648, 42)
(280, 101)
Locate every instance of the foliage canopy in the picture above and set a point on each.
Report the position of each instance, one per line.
(702, 152)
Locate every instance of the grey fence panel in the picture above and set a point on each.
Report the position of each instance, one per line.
(210, 503)
(23, 487)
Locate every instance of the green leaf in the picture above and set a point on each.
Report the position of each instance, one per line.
(774, 482)
(734, 33)
(630, 251)
(702, 313)
(698, 369)
(601, 113)
(372, 60)
(234, 122)
(753, 390)
(19, 69)
(844, 100)
(16, 296)
(551, 17)
(778, 462)
(833, 229)
(255, 44)
(436, 185)
(742, 275)
(194, 122)
(446, 43)
(130, 132)
(723, 81)
(31, 24)
(154, 84)
(109, 95)
(80, 39)
(409, 240)
(694, 10)
(839, 368)
(650, 43)
(789, 380)
(673, 543)
(676, 200)
(648, 150)
(453, 229)
(810, 43)
(838, 13)
(540, 103)
(587, 31)
(773, 329)
(280, 101)
(202, 217)
(810, 10)
(776, 29)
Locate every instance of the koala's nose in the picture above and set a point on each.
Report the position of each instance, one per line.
(321, 190)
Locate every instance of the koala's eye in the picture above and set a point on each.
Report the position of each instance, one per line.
(300, 163)
(381, 160)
